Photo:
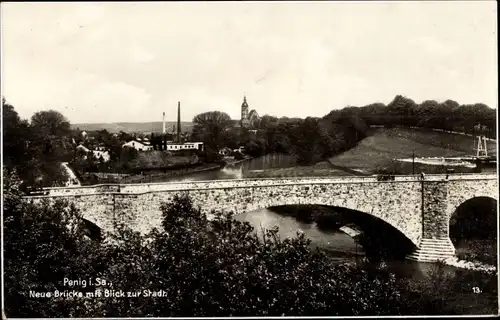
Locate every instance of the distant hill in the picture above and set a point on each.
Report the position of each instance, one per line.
(132, 126)
(382, 145)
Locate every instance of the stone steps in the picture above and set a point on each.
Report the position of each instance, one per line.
(420, 258)
(432, 250)
(429, 256)
(437, 248)
(436, 240)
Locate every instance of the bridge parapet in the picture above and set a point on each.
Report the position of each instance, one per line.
(239, 183)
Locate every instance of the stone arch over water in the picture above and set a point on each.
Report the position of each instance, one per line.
(377, 236)
(92, 230)
(390, 211)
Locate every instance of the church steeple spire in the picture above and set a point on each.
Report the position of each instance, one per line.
(244, 112)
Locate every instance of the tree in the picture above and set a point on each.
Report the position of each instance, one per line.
(374, 114)
(50, 123)
(103, 136)
(33, 150)
(127, 156)
(267, 121)
(254, 148)
(52, 136)
(447, 114)
(124, 136)
(210, 127)
(114, 147)
(44, 245)
(231, 138)
(401, 111)
(16, 137)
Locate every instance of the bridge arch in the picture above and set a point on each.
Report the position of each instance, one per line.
(476, 190)
(378, 237)
(475, 217)
(91, 229)
(409, 226)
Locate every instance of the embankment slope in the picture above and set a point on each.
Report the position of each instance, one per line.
(383, 145)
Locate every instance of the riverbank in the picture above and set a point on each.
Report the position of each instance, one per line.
(479, 252)
(91, 178)
(161, 176)
(231, 162)
(320, 169)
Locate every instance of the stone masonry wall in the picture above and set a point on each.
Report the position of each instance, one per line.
(434, 198)
(98, 209)
(398, 202)
(150, 187)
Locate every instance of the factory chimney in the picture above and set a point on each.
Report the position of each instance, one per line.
(164, 129)
(179, 121)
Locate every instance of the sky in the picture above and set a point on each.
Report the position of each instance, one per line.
(130, 62)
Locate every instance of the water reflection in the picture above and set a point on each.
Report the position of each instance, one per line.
(237, 170)
(289, 226)
(338, 244)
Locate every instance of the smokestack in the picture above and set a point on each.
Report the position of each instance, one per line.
(179, 121)
(164, 129)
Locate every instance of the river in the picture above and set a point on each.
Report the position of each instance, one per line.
(340, 245)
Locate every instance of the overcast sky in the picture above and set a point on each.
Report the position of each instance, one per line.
(129, 62)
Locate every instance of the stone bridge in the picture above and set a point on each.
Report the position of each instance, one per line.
(419, 207)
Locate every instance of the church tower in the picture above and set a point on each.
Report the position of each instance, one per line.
(244, 113)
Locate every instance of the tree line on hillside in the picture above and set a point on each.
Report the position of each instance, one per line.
(201, 267)
(313, 139)
(449, 115)
(309, 140)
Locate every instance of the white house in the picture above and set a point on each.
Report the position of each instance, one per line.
(99, 152)
(139, 145)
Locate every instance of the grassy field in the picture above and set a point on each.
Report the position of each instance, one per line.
(383, 145)
(320, 169)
